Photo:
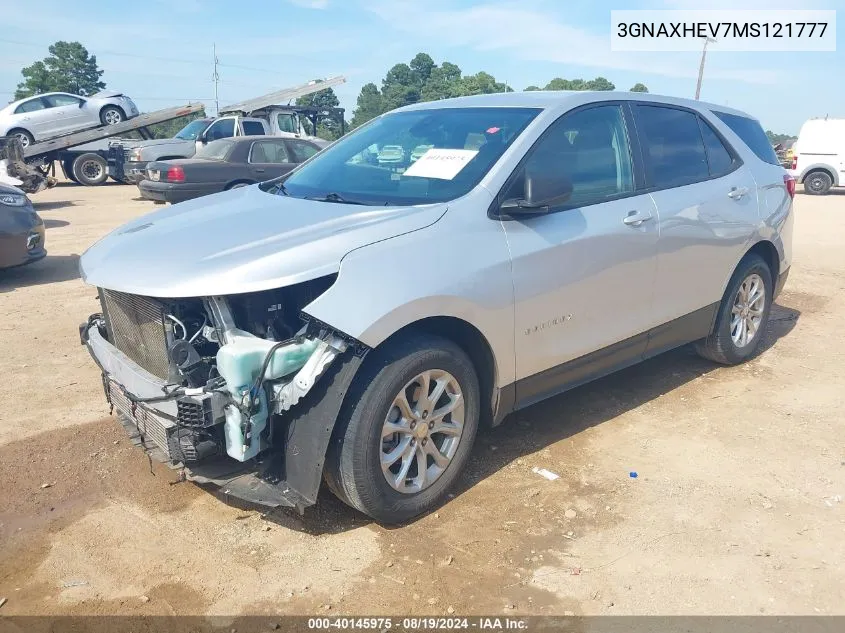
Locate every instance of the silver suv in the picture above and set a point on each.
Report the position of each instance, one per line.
(356, 321)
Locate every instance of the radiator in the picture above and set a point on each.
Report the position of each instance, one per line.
(137, 326)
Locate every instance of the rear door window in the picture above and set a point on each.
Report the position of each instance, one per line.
(253, 128)
(673, 147)
(302, 151)
(32, 105)
(751, 134)
(269, 152)
(718, 157)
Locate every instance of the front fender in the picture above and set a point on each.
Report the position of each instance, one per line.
(459, 267)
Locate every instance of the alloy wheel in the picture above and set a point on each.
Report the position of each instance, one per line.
(422, 431)
(747, 311)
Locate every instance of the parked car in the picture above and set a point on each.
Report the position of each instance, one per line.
(391, 155)
(224, 164)
(21, 229)
(352, 323)
(818, 158)
(54, 113)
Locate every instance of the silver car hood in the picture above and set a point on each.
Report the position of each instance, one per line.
(243, 240)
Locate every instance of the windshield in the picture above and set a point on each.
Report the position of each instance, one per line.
(215, 150)
(191, 131)
(414, 157)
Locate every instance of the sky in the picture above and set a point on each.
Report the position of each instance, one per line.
(162, 55)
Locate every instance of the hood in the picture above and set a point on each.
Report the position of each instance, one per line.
(105, 94)
(242, 240)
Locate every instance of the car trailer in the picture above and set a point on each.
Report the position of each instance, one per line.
(82, 155)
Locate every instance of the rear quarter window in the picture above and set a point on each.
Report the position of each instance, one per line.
(751, 134)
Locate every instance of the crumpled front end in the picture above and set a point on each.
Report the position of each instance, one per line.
(236, 390)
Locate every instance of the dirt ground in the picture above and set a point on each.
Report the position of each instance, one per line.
(736, 509)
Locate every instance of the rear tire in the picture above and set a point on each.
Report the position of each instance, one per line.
(744, 308)
(112, 115)
(422, 472)
(90, 169)
(67, 167)
(24, 137)
(817, 183)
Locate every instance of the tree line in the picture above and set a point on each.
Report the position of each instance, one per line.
(69, 67)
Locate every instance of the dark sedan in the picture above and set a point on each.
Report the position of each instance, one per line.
(224, 164)
(21, 229)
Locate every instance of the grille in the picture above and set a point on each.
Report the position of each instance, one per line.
(137, 328)
(127, 154)
(151, 427)
(194, 413)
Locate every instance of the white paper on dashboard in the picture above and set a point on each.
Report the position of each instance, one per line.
(444, 164)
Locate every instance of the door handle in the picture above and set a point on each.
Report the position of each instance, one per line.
(737, 192)
(635, 218)
(259, 170)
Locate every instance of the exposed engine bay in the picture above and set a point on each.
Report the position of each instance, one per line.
(226, 371)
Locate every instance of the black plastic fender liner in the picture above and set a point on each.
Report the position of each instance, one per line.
(309, 426)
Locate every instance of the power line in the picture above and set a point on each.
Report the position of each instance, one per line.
(181, 60)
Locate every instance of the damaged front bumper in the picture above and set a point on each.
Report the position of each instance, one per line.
(287, 469)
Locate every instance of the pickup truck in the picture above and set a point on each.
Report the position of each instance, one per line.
(274, 121)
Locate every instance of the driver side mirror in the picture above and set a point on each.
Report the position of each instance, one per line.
(544, 187)
(81, 104)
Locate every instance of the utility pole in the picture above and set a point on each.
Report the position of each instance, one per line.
(707, 40)
(216, 79)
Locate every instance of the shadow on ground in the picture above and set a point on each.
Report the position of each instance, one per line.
(55, 224)
(52, 268)
(534, 428)
(51, 206)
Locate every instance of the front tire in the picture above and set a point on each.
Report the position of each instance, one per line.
(743, 314)
(406, 430)
(112, 115)
(817, 183)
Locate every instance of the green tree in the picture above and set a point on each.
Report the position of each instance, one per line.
(479, 84)
(420, 80)
(638, 87)
(68, 68)
(36, 81)
(421, 66)
(532, 89)
(774, 139)
(370, 105)
(600, 83)
(329, 127)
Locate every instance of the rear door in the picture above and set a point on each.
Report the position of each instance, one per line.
(269, 159)
(33, 115)
(707, 200)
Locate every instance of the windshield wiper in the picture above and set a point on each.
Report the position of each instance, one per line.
(335, 197)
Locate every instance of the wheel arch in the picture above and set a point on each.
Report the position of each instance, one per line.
(18, 128)
(470, 339)
(238, 181)
(830, 171)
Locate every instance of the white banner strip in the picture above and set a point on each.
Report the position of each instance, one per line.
(726, 30)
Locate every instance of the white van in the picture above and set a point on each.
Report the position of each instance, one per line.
(818, 160)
